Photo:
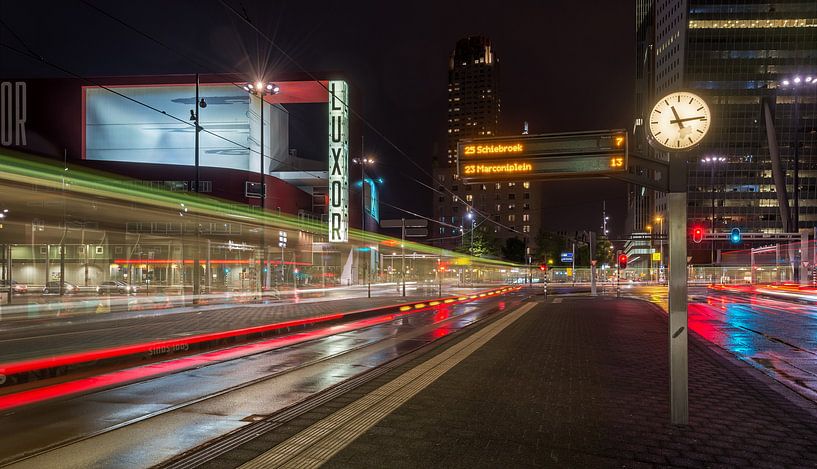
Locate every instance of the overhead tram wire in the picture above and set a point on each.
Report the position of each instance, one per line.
(162, 44)
(204, 67)
(184, 57)
(193, 62)
(30, 54)
(354, 112)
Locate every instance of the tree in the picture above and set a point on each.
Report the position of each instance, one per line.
(484, 245)
(514, 250)
(604, 251)
(549, 246)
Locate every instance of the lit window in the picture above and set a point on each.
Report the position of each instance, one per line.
(526, 185)
(498, 207)
(511, 184)
(512, 217)
(526, 229)
(498, 185)
(526, 217)
(469, 197)
(754, 23)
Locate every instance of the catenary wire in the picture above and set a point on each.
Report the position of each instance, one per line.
(357, 114)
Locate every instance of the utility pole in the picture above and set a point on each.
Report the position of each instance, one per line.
(592, 263)
(196, 267)
(403, 253)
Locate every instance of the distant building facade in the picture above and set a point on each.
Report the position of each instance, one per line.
(738, 56)
(502, 209)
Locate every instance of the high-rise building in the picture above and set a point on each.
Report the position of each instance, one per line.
(756, 65)
(502, 209)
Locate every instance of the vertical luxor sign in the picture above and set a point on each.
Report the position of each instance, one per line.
(338, 162)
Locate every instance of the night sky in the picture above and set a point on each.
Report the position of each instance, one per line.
(565, 65)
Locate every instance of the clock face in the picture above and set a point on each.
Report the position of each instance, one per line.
(679, 121)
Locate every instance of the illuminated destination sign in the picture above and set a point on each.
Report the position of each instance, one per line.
(492, 149)
(338, 162)
(543, 156)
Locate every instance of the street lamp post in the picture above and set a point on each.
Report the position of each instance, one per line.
(796, 83)
(261, 89)
(712, 161)
(363, 161)
(194, 116)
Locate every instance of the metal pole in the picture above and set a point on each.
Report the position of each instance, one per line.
(677, 211)
(574, 264)
(403, 253)
(592, 264)
(805, 261)
(9, 277)
(196, 267)
(262, 264)
(62, 265)
(661, 248)
(796, 168)
(712, 227)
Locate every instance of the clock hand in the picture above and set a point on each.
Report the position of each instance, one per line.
(686, 119)
(677, 118)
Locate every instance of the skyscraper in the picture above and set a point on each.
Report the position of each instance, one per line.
(755, 64)
(503, 209)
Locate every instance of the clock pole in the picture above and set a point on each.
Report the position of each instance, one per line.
(678, 122)
(678, 321)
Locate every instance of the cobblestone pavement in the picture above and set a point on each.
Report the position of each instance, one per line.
(579, 383)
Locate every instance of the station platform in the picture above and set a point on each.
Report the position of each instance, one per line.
(562, 382)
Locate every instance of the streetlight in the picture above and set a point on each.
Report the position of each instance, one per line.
(796, 83)
(712, 161)
(363, 162)
(470, 216)
(262, 89)
(195, 118)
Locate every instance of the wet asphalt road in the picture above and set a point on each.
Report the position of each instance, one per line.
(188, 408)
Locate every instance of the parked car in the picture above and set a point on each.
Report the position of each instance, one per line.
(115, 286)
(17, 288)
(54, 287)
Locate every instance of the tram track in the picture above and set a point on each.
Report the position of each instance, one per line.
(381, 343)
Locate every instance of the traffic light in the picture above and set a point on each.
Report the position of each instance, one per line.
(697, 234)
(543, 267)
(622, 261)
(735, 237)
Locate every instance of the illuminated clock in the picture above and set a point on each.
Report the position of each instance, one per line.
(678, 121)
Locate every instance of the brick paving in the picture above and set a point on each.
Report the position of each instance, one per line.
(582, 383)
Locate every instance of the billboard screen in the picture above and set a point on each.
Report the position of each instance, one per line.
(120, 129)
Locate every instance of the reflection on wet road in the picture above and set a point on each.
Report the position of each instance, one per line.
(776, 336)
(190, 407)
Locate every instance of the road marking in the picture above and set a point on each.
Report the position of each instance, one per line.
(557, 300)
(317, 444)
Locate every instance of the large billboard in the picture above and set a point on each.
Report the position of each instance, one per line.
(116, 128)
(338, 162)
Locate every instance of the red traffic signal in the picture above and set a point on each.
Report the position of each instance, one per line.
(697, 234)
(622, 261)
(543, 267)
